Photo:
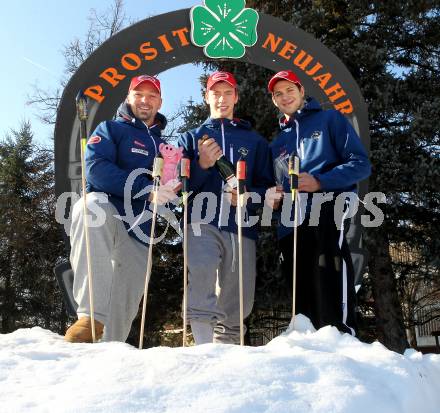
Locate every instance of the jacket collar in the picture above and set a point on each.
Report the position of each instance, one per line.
(125, 114)
(310, 106)
(234, 123)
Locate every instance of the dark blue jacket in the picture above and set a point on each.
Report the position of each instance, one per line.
(232, 136)
(328, 147)
(115, 149)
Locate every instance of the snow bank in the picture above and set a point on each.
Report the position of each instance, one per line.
(302, 371)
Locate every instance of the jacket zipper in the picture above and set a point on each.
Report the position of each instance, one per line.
(223, 184)
(299, 142)
(154, 143)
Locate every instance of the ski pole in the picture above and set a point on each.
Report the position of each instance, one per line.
(81, 110)
(185, 174)
(157, 173)
(241, 177)
(294, 177)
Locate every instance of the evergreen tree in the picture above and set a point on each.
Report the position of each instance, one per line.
(30, 239)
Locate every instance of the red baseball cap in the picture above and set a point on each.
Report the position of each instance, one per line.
(283, 75)
(136, 81)
(221, 77)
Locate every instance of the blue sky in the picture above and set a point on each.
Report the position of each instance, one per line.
(32, 36)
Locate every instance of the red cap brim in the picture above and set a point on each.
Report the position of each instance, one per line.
(289, 76)
(218, 77)
(145, 79)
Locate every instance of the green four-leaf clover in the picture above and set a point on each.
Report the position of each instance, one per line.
(223, 28)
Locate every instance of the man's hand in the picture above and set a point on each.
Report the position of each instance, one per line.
(167, 192)
(274, 196)
(209, 152)
(308, 183)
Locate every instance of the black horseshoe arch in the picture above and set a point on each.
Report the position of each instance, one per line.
(162, 42)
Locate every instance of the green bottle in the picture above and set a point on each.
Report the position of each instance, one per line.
(225, 168)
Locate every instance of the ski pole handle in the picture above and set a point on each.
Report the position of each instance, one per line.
(241, 176)
(157, 166)
(185, 164)
(81, 106)
(82, 113)
(157, 173)
(293, 173)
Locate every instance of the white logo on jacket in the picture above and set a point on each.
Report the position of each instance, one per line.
(316, 135)
(141, 151)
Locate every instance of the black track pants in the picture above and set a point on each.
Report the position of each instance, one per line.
(325, 276)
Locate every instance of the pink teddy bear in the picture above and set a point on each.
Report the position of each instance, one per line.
(171, 158)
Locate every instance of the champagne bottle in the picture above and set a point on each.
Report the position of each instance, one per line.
(225, 168)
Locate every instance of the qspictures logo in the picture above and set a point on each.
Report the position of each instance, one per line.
(205, 209)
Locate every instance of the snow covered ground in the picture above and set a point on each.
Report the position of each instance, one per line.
(300, 372)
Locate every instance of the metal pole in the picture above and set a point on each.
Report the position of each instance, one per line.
(294, 173)
(185, 173)
(157, 172)
(241, 177)
(81, 108)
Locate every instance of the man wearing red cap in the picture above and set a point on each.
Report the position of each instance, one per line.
(214, 313)
(332, 162)
(118, 236)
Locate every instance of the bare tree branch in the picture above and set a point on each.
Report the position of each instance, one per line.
(47, 102)
(102, 26)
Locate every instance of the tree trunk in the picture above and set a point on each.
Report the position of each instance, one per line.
(412, 338)
(389, 315)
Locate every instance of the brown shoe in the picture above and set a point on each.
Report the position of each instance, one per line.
(81, 331)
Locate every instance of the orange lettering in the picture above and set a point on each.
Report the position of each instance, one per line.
(323, 79)
(345, 106)
(112, 76)
(288, 47)
(271, 41)
(133, 58)
(149, 52)
(95, 92)
(165, 43)
(314, 69)
(181, 34)
(302, 64)
(335, 92)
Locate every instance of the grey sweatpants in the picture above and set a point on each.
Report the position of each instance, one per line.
(118, 264)
(212, 261)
